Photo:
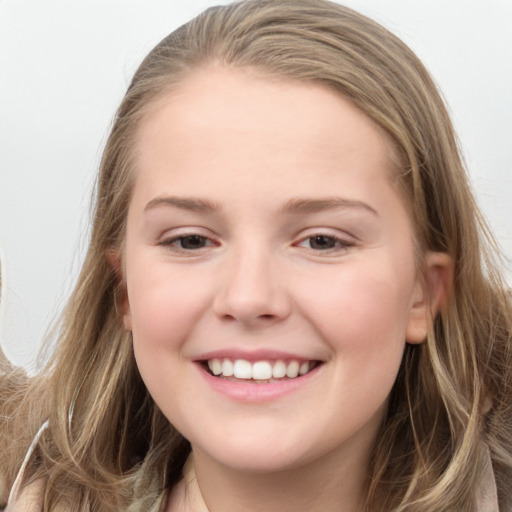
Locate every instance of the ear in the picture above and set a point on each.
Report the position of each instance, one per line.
(432, 289)
(122, 303)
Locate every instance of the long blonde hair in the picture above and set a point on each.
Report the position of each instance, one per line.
(109, 447)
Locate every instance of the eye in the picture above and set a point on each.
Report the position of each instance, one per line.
(188, 242)
(192, 242)
(323, 242)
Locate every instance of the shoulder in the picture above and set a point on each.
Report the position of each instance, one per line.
(487, 494)
(12, 385)
(30, 498)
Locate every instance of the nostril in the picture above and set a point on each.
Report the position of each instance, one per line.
(252, 307)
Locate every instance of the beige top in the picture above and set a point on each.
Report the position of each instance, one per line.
(186, 496)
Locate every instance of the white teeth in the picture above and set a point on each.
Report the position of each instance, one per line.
(279, 370)
(304, 368)
(259, 370)
(242, 369)
(292, 370)
(215, 366)
(227, 368)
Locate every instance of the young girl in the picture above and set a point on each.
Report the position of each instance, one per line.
(290, 300)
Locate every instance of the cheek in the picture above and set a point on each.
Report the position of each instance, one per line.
(165, 304)
(364, 310)
(364, 322)
(165, 308)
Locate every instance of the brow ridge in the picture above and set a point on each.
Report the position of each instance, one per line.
(315, 205)
(184, 203)
(292, 206)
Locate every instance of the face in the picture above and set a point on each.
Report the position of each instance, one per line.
(270, 271)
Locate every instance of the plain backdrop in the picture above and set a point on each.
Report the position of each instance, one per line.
(65, 65)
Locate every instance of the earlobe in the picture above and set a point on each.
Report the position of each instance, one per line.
(127, 321)
(432, 290)
(122, 303)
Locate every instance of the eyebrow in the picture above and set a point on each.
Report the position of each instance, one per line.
(184, 203)
(304, 206)
(295, 206)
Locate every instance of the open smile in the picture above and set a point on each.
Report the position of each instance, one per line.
(261, 371)
(256, 382)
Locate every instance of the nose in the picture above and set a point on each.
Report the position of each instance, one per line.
(252, 290)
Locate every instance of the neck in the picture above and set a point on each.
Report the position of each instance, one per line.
(315, 487)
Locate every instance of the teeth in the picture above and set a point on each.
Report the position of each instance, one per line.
(215, 366)
(242, 369)
(279, 370)
(292, 370)
(227, 368)
(259, 370)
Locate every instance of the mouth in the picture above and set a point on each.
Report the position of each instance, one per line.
(259, 372)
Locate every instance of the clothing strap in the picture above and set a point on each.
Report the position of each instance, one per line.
(487, 494)
(19, 477)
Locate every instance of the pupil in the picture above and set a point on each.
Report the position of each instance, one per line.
(192, 242)
(322, 242)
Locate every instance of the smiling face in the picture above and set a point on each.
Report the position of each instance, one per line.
(265, 238)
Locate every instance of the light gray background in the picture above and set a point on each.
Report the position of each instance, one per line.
(65, 65)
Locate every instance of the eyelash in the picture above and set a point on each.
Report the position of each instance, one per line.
(340, 244)
(176, 243)
(172, 242)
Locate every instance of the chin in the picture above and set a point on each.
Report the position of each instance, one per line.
(258, 453)
(258, 461)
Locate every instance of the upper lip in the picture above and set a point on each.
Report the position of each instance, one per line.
(253, 355)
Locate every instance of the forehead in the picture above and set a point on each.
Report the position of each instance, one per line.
(257, 127)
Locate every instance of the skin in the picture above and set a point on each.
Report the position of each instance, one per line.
(271, 156)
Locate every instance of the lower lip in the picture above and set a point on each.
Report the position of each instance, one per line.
(251, 391)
